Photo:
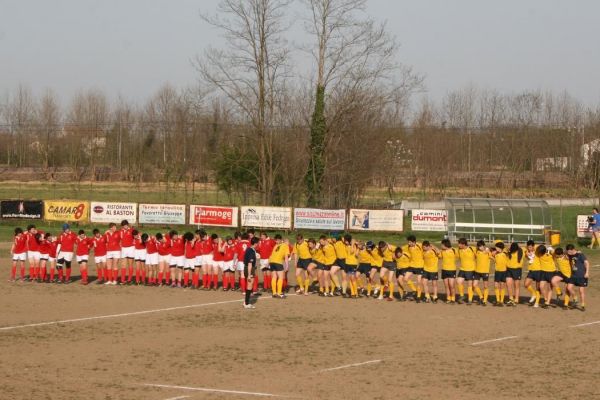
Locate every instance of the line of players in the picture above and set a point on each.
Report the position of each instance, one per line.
(338, 265)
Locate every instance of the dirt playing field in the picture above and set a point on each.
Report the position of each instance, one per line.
(161, 343)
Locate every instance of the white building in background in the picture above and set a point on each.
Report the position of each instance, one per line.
(588, 150)
(552, 164)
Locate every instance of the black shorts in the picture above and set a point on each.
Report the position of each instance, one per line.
(400, 272)
(430, 276)
(252, 271)
(535, 276)
(564, 277)
(389, 265)
(448, 274)
(327, 267)
(500, 276)
(514, 273)
(481, 276)
(466, 275)
(340, 263)
(350, 269)
(547, 276)
(364, 268)
(303, 263)
(275, 267)
(579, 282)
(416, 271)
(320, 265)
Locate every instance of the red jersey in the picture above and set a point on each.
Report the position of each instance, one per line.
(177, 247)
(240, 249)
(164, 248)
(20, 244)
(151, 246)
(113, 240)
(206, 247)
(138, 244)
(83, 246)
(44, 246)
(190, 251)
(217, 255)
(67, 241)
(198, 247)
(126, 237)
(229, 252)
(52, 249)
(99, 246)
(32, 243)
(265, 247)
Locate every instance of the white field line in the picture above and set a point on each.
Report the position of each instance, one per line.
(178, 398)
(585, 324)
(494, 340)
(67, 321)
(209, 390)
(351, 365)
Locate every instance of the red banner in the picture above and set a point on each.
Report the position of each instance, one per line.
(213, 216)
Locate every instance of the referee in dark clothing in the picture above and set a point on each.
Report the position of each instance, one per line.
(250, 263)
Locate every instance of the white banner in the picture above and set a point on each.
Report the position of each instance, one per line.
(311, 218)
(214, 216)
(267, 217)
(429, 220)
(113, 212)
(167, 214)
(376, 220)
(583, 227)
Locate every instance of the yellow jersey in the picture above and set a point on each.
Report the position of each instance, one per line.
(430, 259)
(376, 258)
(364, 257)
(351, 258)
(388, 253)
(483, 261)
(448, 257)
(301, 250)
(513, 260)
(416, 255)
(403, 262)
(340, 250)
(467, 259)
(564, 265)
(535, 264)
(317, 255)
(500, 262)
(328, 254)
(279, 254)
(547, 263)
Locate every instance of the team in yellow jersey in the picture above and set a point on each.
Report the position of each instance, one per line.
(370, 270)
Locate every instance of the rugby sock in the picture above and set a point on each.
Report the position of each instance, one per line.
(255, 285)
(531, 290)
(557, 290)
(160, 276)
(167, 276)
(216, 280)
(22, 272)
(306, 285)
(13, 272)
(369, 288)
(60, 275)
(84, 276)
(100, 274)
(335, 280)
(470, 294)
(497, 293)
(51, 274)
(68, 274)
(392, 289)
(274, 284)
(538, 295)
(566, 300)
(412, 286)
(196, 280)
(123, 277)
(232, 281)
(143, 273)
(137, 275)
(30, 272)
(427, 296)
(502, 294)
(419, 292)
(36, 272)
(345, 287)
(461, 290)
(43, 273)
(130, 274)
(479, 294)
(266, 282)
(486, 293)
(186, 278)
(280, 287)
(248, 293)
(205, 280)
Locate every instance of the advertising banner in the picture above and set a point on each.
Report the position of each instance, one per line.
(312, 218)
(66, 210)
(23, 209)
(162, 214)
(267, 217)
(214, 216)
(376, 220)
(583, 226)
(429, 220)
(107, 212)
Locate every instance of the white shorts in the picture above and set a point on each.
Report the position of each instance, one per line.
(190, 263)
(152, 259)
(227, 266)
(164, 259)
(177, 261)
(100, 259)
(264, 263)
(113, 255)
(44, 256)
(140, 254)
(198, 261)
(128, 252)
(81, 259)
(33, 255)
(19, 257)
(65, 255)
(51, 259)
(207, 259)
(240, 266)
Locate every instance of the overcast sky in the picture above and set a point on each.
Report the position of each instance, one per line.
(132, 47)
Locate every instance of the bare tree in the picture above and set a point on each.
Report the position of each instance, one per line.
(48, 120)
